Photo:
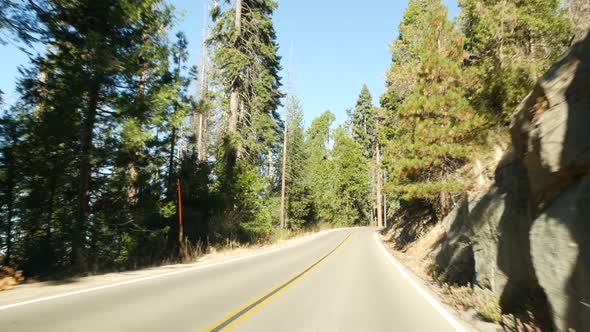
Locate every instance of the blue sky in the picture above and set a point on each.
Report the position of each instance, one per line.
(336, 45)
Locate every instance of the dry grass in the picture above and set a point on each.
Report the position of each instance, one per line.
(485, 303)
(511, 323)
(9, 278)
(417, 254)
(479, 173)
(233, 246)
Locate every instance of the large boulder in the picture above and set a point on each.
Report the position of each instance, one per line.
(528, 236)
(490, 231)
(551, 133)
(454, 256)
(560, 247)
(550, 128)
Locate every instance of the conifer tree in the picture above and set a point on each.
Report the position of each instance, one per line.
(16, 22)
(509, 44)
(362, 122)
(99, 54)
(402, 75)
(247, 66)
(435, 126)
(351, 180)
(578, 12)
(11, 132)
(321, 172)
(298, 201)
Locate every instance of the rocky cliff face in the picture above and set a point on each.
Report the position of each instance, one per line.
(528, 237)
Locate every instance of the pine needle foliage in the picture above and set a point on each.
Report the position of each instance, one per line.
(509, 44)
(435, 125)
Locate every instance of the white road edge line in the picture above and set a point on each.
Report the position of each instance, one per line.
(157, 276)
(435, 304)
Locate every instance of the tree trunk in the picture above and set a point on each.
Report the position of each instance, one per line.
(233, 108)
(200, 136)
(85, 171)
(384, 210)
(378, 186)
(202, 112)
(282, 219)
(271, 168)
(171, 161)
(8, 256)
(50, 211)
(171, 172)
(181, 249)
(133, 190)
(233, 152)
(234, 99)
(241, 114)
(204, 136)
(501, 51)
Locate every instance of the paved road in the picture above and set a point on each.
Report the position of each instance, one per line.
(340, 281)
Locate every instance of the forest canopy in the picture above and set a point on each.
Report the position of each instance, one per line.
(105, 141)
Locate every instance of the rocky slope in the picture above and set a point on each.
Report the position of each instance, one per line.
(527, 238)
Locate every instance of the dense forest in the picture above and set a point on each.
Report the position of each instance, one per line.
(106, 150)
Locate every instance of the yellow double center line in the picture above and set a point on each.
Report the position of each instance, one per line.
(229, 321)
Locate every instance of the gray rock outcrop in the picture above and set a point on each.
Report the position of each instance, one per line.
(528, 237)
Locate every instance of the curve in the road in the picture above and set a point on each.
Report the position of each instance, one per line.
(244, 311)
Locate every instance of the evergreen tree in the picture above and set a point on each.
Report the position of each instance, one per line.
(578, 12)
(351, 180)
(435, 125)
(509, 44)
(5, 6)
(362, 122)
(298, 200)
(247, 66)
(98, 55)
(16, 22)
(11, 132)
(402, 75)
(150, 108)
(321, 171)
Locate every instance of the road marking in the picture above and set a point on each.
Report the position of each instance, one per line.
(157, 276)
(230, 320)
(433, 302)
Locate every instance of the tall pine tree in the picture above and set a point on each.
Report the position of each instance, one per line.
(435, 125)
(84, 93)
(362, 122)
(321, 172)
(298, 200)
(351, 180)
(509, 44)
(247, 67)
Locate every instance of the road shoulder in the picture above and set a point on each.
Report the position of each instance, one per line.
(27, 293)
(418, 273)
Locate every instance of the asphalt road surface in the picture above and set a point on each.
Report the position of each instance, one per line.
(342, 280)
